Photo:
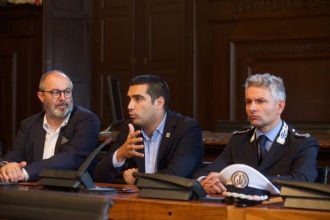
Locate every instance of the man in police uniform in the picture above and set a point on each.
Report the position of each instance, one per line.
(283, 153)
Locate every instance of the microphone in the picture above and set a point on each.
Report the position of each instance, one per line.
(74, 179)
(84, 166)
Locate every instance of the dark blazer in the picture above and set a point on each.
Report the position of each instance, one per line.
(75, 142)
(295, 159)
(180, 153)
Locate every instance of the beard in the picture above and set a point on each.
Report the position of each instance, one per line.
(60, 110)
(63, 112)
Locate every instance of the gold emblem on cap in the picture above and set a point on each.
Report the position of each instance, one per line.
(240, 179)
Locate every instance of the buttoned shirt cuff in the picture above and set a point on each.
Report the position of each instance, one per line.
(200, 178)
(2, 163)
(115, 162)
(26, 175)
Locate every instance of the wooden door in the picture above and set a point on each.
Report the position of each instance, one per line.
(140, 37)
(20, 66)
(67, 44)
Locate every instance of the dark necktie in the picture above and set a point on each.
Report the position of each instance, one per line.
(262, 146)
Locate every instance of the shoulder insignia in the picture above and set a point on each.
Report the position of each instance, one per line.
(283, 134)
(299, 134)
(242, 132)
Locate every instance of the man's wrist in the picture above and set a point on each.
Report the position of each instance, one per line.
(2, 163)
(26, 175)
(119, 158)
(115, 162)
(199, 179)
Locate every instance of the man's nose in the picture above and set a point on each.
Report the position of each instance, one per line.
(131, 106)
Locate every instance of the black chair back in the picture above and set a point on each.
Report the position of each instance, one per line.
(52, 205)
(322, 176)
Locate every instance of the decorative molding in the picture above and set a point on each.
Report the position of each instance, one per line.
(229, 10)
(32, 2)
(245, 56)
(296, 47)
(253, 6)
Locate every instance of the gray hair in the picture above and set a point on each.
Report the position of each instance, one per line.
(44, 76)
(273, 83)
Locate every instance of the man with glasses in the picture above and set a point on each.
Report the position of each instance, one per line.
(60, 137)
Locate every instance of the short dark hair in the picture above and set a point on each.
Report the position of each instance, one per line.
(157, 87)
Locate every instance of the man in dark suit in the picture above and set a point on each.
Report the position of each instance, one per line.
(60, 137)
(283, 154)
(155, 139)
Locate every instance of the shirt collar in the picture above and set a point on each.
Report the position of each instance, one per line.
(159, 129)
(271, 135)
(65, 122)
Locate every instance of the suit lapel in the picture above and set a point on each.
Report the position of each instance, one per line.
(140, 164)
(140, 161)
(278, 147)
(253, 151)
(167, 136)
(62, 139)
(38, 149)
(275, 153)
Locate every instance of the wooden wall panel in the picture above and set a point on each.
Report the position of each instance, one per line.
(287, 38)
(116, 33)
(304, 67)
(20, 66)
(168, 51)
(8, 96)
(113, 52)
(67, 45)
(135, 37)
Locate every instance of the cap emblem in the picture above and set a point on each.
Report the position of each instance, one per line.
(240, 179)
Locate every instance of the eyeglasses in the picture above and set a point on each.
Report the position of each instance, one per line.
(55, 93)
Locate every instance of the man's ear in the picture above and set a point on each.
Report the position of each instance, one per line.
(40, 96)
(160, 101)
(281, 106)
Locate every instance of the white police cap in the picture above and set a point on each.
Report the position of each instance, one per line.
(246, 185)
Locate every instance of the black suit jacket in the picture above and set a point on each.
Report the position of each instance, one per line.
(180, 153)
(75, 142)
(295, 159)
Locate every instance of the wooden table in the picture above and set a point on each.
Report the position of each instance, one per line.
(136, 208)
(128, 205)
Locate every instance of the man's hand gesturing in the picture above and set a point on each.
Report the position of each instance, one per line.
(130, 147)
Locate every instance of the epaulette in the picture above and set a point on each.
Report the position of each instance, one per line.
(299, 134)
(243, 131)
